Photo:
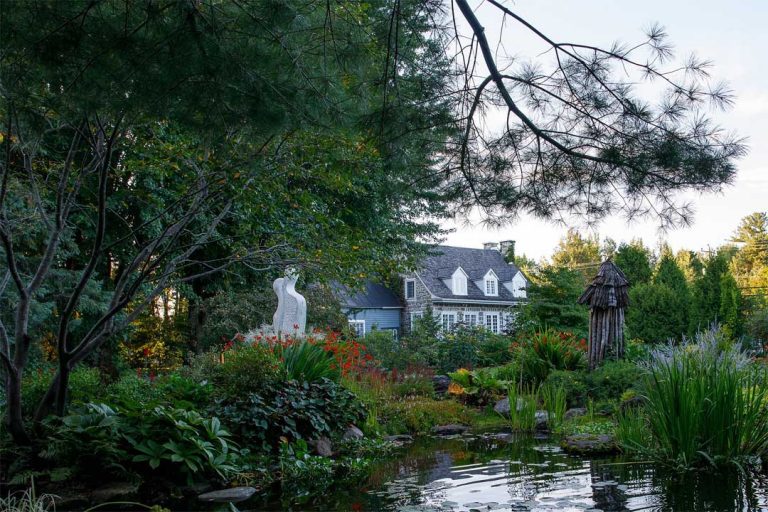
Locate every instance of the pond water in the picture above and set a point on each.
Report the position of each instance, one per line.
(506, 472)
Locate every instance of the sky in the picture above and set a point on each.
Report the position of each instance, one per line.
(734, 35)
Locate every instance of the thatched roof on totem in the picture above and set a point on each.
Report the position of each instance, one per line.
(608, 288)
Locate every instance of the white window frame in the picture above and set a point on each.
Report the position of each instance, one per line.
(407, 282)
(446, 324)
(471, 319)
(493, 322)
(491, 279)
(354, 324)
(459, 282)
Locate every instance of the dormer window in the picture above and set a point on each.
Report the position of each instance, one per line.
(410, 289)
(459, 281)
(491, 284)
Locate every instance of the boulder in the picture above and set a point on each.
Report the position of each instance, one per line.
(232, 495)
(589, 444)
(353, 433)
(542, 420)
(502, 406)
(575, 412)
(441, 383)
(401, 438)
(449, 430)
(322, 446)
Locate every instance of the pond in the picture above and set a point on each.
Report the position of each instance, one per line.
(506, 472)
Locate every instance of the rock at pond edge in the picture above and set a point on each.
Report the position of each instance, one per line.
(589, 444)
(232, 495)
(447, 430)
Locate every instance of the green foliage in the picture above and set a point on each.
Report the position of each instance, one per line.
(578, 253)
(756, 326)
(705, 405)
(419, 415)
(731, 305)
(552, 301)
(94, 438)
(553, 399)
(590, 426)
(676, 316)
(523, 402)
(478, 387)
(294, 410)
(707, 297)
(85, 385)
(130, 389)
(304, 361)
(389, 352)
(547, 350)
(634, 259)
(574, 384)
(654, 314)
(610, 380)
(303, 474)
(246, 369)
(413, 385)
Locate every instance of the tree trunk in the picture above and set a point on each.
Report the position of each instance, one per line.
(14, 418)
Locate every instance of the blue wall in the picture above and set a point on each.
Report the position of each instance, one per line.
(378, 318)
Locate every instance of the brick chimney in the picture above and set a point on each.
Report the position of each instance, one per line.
(507, 249)
(491, 245)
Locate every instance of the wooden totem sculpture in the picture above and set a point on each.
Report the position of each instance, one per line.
(607, 299)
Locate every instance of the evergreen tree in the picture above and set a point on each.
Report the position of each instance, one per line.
(648, 315)
(691, 265)
(552, 295)
(707, 297)
(730, 314)
(578, 253)
(750, 264)
(634, 259)
(677, 316)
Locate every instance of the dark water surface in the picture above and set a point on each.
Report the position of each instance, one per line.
(505, 472)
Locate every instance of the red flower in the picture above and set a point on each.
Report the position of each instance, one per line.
(146, 351)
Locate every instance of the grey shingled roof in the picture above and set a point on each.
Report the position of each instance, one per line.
(372, 296)
(476, 263)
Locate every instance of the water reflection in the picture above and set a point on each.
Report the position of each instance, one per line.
(519, 473)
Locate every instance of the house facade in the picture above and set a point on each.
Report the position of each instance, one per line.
(473, 287)
(374, 307)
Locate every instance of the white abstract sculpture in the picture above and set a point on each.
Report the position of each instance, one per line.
(291, 315)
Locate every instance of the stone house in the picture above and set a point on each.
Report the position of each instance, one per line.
(466, 286)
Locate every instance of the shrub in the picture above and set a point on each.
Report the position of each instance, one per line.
(413, 384)
(387, 351)
(95, 438)
(130, 389)
(294, 410)
(705, 405)
(419, 415)
(478, 387)
(246, 369)
(573, 384)
(548, 350)
(84, 385)
(612, 379)
(304, 361)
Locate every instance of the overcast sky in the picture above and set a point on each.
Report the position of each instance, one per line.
(734, 35)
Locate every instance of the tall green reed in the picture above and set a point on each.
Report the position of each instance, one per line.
(706, 404)
(522, 408)
(553, 398)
